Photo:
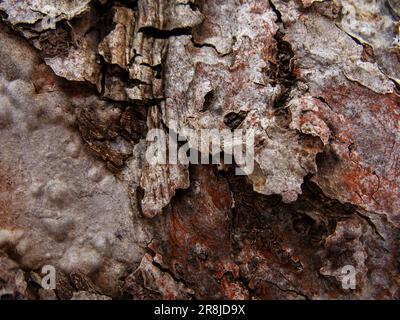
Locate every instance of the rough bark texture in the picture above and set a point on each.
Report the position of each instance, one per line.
(81, 84)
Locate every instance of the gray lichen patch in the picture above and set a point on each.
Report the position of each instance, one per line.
(375, 23)
(83, 83)
(46, 12)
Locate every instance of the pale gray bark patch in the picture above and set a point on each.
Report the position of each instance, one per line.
(81, 84)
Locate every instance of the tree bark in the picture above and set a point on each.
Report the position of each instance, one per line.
(84, 83)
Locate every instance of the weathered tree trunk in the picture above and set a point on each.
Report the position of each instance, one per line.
(83, 82)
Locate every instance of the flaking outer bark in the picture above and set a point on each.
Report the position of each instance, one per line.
(82, 83)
